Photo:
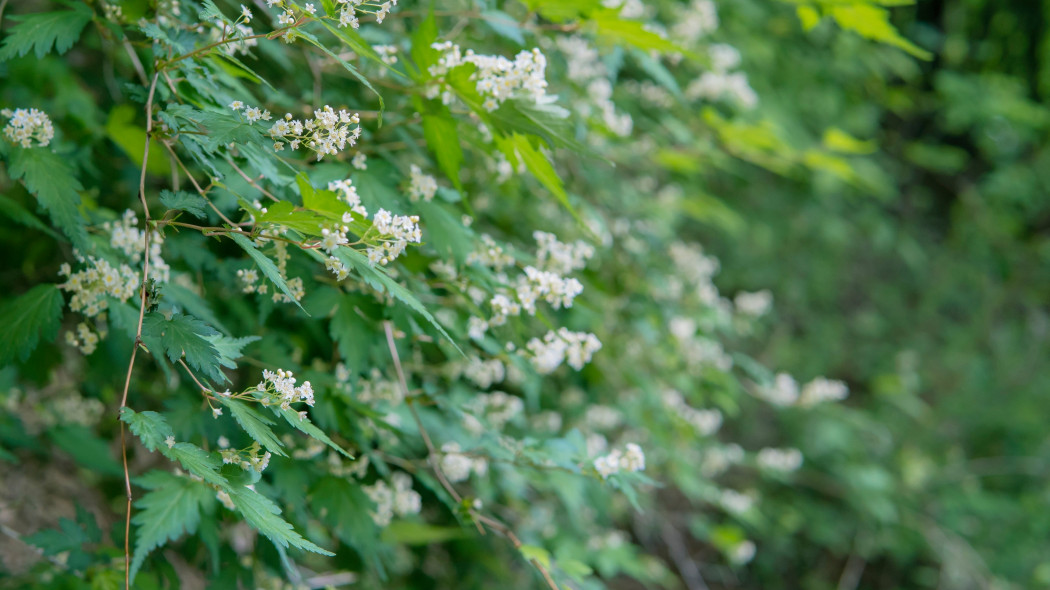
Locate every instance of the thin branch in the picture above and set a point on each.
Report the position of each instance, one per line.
(138, 333)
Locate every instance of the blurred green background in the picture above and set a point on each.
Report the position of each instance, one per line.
(920, 278)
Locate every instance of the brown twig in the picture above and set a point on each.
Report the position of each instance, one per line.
(479, 518)
(138, 333)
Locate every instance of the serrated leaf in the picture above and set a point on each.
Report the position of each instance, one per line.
(197, 461)
(424, 35)
(256, 425)
(171, 510)
(191, 203)
(549, 122)
(38, 312)
(68, 537)
(50, 179)
(345, 507)
(180, 336)
(151, 428)
(305, 426)
(346, 65)
(285, 213)
(264, 516)
(229, 349)
(266, 266)
(41, 32)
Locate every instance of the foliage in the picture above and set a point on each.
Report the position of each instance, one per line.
(467, 266)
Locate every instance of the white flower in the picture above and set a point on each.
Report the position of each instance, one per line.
(27, 126)
(422, 186)
(822, 390)
(785, 460)
(246, 14)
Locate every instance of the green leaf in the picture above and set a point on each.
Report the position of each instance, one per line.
(180, 336)
(285, 213)
(872, 22)
(171, 510)
(263, 515)
(86, 448)
(132, 140)
(517, 148)
(22, 216)
(419, 533)
(197, 461)
(378, 279)
(229, 349)
(305, 426)
(256, 425)
(50, 179)
(68, 537)
(439, 129)
(151, 428)
(541, 555)
(191, 203)
(610, 29)
(38, 312)
(423, 55)
(346, 65)
(41, 31)
(266, 266)
(549, 122)
(560, 11)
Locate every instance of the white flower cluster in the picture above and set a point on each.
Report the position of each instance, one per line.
(706, 422)
(92, 285)
(559, 257)
(720, 82)
(785, 460)
(627, 8)
(576, 348)
(630, 459)
(736, 502)
(348, 10)
(423, 186)
(387, 53)
(237, 36)
(497, 78)
(125, 236)
(822, 390)
(497, 408)
(490, 254)
(457, 466)
(280, 388)
(586, 68)
(27, 126)
(84, 339)
(552, 288)
(347, 192)
(784, 391)
(249, 460)
(755, 304)
(699, 19)
(396, 232)
(399, 499)
(716, 460)
(483, 373)
(327, 133)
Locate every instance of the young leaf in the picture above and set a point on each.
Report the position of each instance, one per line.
(50, 179)
(263, 515)
(38, 312)
(256, 425)
(266, 265)
(172, 509)
(42, 31)
(197, 461)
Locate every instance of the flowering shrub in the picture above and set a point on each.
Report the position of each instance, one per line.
(469, 336)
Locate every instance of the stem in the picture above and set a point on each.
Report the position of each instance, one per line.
(138, 333)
